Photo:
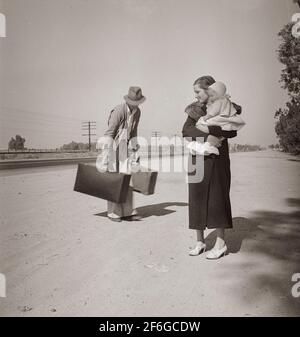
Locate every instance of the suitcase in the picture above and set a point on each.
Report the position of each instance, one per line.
(144, 181)
(111, 186)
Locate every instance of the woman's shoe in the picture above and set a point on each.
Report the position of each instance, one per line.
(200, 248)
(215, 253)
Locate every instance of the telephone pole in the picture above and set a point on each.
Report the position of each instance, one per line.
(175, 139)
(155, 134)
(89, 126)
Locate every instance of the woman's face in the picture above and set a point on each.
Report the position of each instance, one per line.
(200, 94)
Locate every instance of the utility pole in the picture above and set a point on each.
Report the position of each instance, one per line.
(175, 139)
(89, 126)
(155, 134)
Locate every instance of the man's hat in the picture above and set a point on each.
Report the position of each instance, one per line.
(135, 96)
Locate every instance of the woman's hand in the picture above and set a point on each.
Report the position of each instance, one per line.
(215, 141)
(203, 128)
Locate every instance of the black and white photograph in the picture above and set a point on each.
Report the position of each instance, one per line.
(149, 160)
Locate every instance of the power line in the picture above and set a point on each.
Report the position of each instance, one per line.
(89, 126)
(37, 114)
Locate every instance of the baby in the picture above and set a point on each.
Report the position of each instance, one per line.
(221, 112)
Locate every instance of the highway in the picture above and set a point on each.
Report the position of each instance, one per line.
(28, 163)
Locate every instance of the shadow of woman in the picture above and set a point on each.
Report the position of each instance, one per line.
(243, 228)
(270, 241)
(155, 209)
(273, 233)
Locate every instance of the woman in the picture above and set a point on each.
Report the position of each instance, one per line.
(209, 201)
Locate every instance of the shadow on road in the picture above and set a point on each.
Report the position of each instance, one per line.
(270, 244)
(243, 228)
(281, 228)
(154, 210)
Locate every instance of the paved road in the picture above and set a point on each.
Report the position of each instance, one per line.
(31, 163)
(61, 256)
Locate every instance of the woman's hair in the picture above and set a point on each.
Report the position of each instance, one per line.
(204, 81)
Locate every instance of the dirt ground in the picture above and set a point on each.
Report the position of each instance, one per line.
(61, 256)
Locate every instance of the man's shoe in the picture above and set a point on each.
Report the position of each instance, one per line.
(134, 217)
(115, 219)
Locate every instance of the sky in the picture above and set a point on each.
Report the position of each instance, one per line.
(68, 61)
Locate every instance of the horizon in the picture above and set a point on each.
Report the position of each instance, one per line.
(59, 148)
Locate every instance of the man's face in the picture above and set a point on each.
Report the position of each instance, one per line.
(200, 94)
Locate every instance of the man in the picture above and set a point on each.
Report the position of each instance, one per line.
(122, 132)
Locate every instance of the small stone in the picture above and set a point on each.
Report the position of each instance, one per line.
(25, 308)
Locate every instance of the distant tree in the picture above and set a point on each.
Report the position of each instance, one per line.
(244, 148)
(71, 146)
(274, 146)
(288, 119)
(17, 143)
(12, 144)
(288, 127)
(77, 146)
(20, 142)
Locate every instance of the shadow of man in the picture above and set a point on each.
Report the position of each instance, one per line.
(155, 209)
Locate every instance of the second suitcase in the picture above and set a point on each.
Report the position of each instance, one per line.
(144, 182)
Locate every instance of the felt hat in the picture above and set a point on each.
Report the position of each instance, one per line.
(135, 96)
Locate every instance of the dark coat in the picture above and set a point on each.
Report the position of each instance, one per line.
(209, 200)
